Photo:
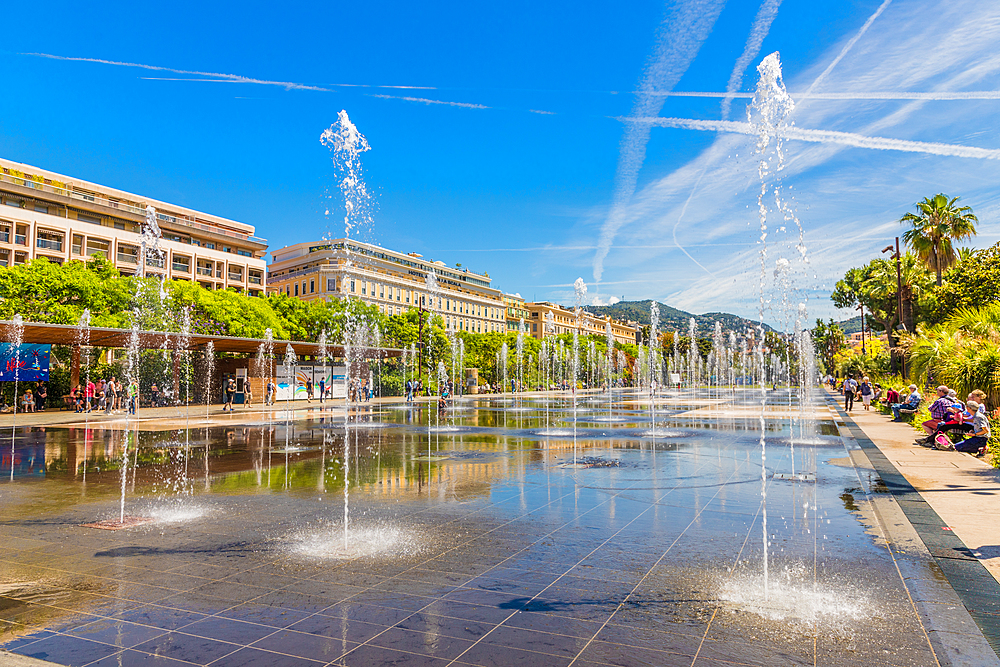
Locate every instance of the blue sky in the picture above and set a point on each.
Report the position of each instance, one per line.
(526, 196)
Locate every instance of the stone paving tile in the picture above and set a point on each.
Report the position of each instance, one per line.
(199, 650)
(116, 632)
(252, 657)
(542, 642)
(225, 629)
(67, 650)
(487, 655)
(368, 655)
(131, 658)
(305, 645)
(446, 625)
(341, 629)
(425, 643)
(273, 615)
(156, 616)
(614, 654)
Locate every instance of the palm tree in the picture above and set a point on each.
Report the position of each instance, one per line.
(938, 222)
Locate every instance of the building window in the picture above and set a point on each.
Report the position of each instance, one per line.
(15, 204)
(255, 277)
(92, 219)
(312, 286)
(331, 284)
(352, 285)
(210, 245)
(534, 326)
(204, 268)
(41, 208)
(49, 241)
(4, 257)
(181, 264)
(296, 290)
(364, 287)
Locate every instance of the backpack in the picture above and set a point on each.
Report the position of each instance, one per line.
(943, 442)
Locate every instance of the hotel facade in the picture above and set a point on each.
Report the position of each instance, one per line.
(45, 214)
(550, 319)
(392, 281)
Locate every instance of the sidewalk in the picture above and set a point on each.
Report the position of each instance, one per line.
(963, 490)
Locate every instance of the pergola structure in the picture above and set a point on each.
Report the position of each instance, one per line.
(64, 334)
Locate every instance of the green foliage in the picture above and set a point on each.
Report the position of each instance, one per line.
(974, 281)
(937, 223)
(828, 339)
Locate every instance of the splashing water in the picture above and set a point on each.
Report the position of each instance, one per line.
(16, 337)
(347, 144)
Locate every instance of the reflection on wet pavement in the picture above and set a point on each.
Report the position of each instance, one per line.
(472, 539)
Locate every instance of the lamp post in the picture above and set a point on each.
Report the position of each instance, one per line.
(861, 307)
(899, 295)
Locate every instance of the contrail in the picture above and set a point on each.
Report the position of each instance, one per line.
(288, 85)
(680, 38)
(874, 95)
(217, 77)
(424, 100)
(828, 137)
(847, 47)
(761, 26)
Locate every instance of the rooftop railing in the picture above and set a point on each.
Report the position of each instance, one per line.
(184, 220)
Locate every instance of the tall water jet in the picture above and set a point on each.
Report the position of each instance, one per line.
(693, 354)
(16, 337)
(209, 373)
(82, 352)
(767, 115)
(580, 290)
(609, 341)
(654, 337)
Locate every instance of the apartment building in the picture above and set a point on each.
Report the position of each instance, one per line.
(515, 311)
(549, 319)
(390, 280)
(45, 214)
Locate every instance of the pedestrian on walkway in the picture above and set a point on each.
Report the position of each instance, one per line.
(867, 391)
(269, 396)
(247, 394)
(322, 390)
(230, 394)
(309, 390)
(849, 389)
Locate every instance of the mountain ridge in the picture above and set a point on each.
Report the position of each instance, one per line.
(674, 318)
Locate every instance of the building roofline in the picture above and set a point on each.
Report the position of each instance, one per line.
(71, 181)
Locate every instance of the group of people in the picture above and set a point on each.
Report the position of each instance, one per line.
(950, 415)
(34, 399)
(109, 396)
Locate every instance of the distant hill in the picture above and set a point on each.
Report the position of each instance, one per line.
(672, 318)
(850, 326)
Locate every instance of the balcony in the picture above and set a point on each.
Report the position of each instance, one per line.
(180, 267)
(205, 271)
(49, 244)
(20, 239)
(255, 280)
(155, 262)
(127, 258)
(235, 277)
(5, 237)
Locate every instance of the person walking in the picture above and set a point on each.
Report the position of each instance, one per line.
(133, 397)
(230, 394)
(112, 395)
(867, 391)
(269, 396)
(40, 395)
(247, 394)
(322, 390)
(309, 390)
(850, 387)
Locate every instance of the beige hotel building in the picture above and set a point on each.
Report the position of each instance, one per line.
(563, 320)
(390, 280)
(45, 214)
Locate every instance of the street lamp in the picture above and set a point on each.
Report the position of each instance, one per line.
(861, 307)
(899, 295)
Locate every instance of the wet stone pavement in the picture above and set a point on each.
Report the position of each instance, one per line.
(474, 541)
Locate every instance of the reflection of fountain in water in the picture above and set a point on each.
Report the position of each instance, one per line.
(580, 288)
(209, 372)
(16, 337)
(82, 352)
(289, 364)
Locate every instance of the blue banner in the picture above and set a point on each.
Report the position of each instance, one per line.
(29, 364)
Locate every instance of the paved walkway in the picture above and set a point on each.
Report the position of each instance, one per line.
(963, 490)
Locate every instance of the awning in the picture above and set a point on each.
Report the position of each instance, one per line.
(64, 334)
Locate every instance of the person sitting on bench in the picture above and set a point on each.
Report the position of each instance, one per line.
(912, 403)
(980, 431)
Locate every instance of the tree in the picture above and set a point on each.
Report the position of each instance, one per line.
(937, 223)
(829, 340)
(974, 281)
(963, 352)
